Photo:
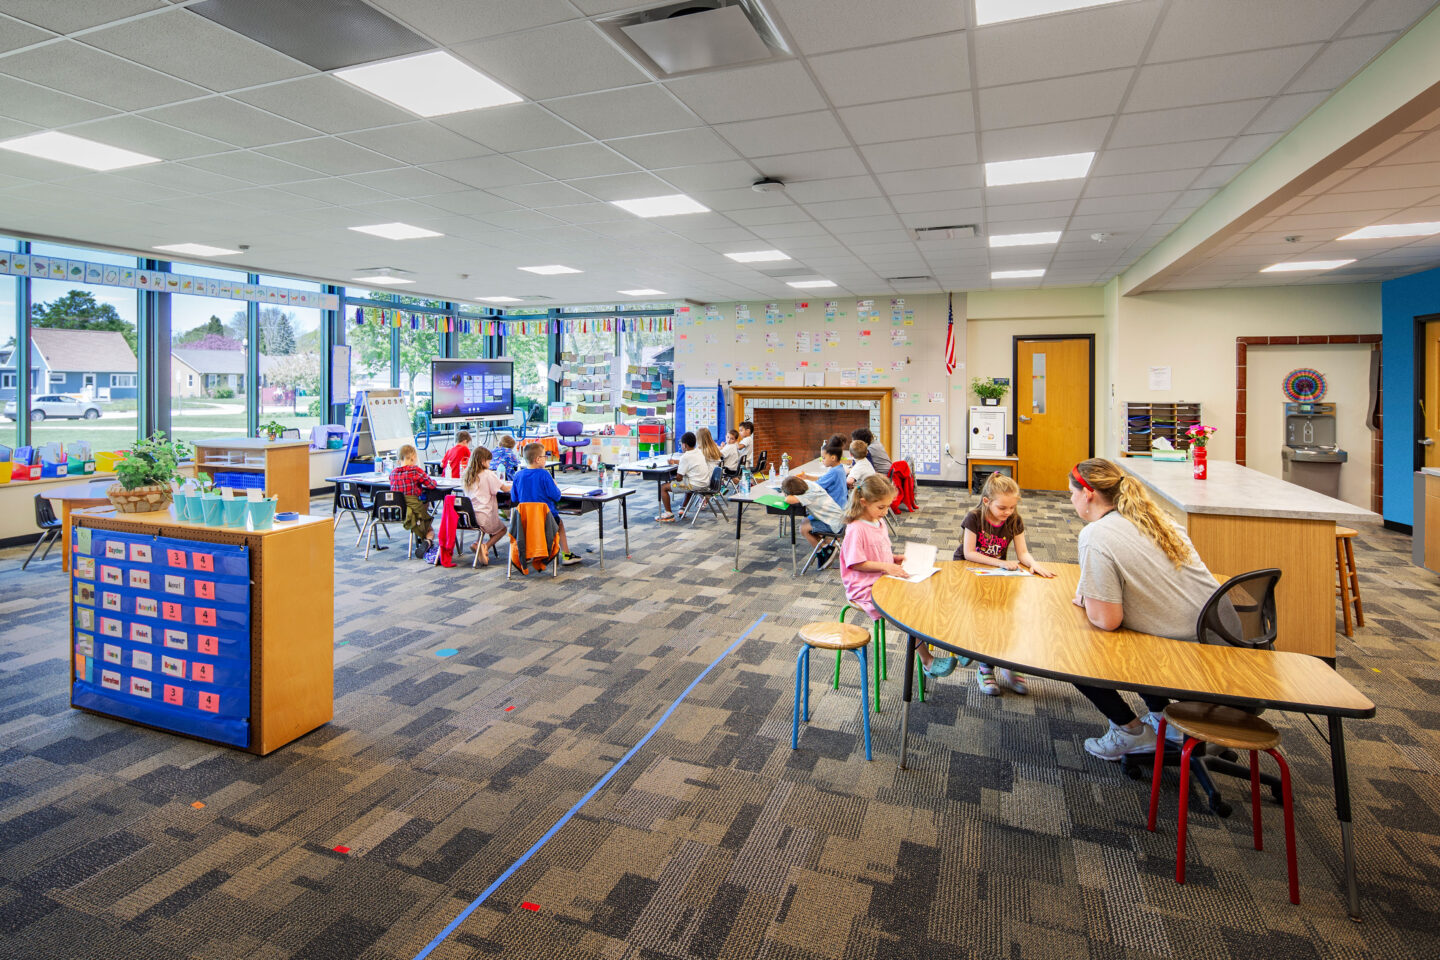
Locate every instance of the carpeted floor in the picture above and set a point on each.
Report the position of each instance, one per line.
(715, 840)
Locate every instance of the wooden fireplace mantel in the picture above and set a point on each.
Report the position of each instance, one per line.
(761, 392)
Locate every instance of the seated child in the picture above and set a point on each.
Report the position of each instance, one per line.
(481, 486)
(504, 461)
(693, 475)
(747, 442)
(730, 452)
(989, 530)
(453, 463)
(535, 485)
(866, 556)
(408, 480)
(879, 459)
(862, 467)
(832, 478)
(825, 518)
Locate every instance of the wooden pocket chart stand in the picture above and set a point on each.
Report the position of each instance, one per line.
(224, 635)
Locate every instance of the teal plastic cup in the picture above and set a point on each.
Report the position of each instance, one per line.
(262, 513)
(214, 508)
(179, 498)
(234, 512)
(195, 507)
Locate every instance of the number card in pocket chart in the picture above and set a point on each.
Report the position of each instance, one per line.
(920, 442)
(162, 632)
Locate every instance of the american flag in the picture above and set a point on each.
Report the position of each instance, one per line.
(950, 339)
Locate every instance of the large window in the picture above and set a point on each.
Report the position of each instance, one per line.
(209, 344)
(591, 365)
(418, 347)
(369, 340)
(83, 334)
(290, 353)
(530, 352)
(8, 313)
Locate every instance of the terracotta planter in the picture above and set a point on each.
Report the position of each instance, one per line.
(141, 499)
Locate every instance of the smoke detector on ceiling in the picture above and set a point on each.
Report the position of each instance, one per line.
(677, 39)
(1102, 237)
(768, 185)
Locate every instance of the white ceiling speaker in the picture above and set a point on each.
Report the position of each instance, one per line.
(768, 185)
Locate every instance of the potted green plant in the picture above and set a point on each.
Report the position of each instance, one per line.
(145, 473)
(272, 430)
(989, 391)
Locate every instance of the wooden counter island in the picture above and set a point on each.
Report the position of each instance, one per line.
(1241, 519)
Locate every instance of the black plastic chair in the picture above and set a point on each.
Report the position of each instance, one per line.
(466, 520)
(709, 496)
(762, 461)
(386, 507)
(290, 433)
(1241, 613)
(49, 525)
(349, 498)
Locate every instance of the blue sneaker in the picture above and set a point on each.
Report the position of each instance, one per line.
(940, 667)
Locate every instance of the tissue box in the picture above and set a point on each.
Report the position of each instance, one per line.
(1157, 453)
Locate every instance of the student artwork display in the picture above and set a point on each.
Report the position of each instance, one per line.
(161, 632)
(647, 393)
(920, 442)
(586, 379)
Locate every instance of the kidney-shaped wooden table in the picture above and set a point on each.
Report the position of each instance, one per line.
(1033, 625)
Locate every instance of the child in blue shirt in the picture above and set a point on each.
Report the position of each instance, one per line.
(832, 479)
(535, 485)
(504, 462)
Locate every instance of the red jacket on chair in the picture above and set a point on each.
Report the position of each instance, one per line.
(904, 487)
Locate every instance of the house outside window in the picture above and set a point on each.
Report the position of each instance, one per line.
(122, 379)
(57, 378)
(7, 381)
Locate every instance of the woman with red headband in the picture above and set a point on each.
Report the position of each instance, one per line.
(1137, 570)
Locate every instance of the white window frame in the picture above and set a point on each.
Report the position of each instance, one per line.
(189, 379)
(8, 381)
(123, 380)
(56, 378)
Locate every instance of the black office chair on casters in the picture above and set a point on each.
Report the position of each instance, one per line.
(1241, 613)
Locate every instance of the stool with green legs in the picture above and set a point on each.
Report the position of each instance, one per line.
(882, 667)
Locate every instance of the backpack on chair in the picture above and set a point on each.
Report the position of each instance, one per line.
(904, 481)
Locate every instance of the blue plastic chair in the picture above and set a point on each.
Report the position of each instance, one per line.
(572, 429)
(829, 635)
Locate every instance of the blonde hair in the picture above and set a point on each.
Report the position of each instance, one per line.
(859, 449)
(479, 461)
(708, 447)
(1001, 485)
(1134, 504)
(533, 452)
(407, 452)
(872, 489)
(507, 441)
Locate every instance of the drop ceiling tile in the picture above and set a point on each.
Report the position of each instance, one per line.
(1382, 15)
(266, 199)
(418, 142)
(74, 15)
(330, 155)
(1082, 41)
(1050, 101)
(512, 127)
(815, 165)
(1248, 148)
(1045, 140)
(1052, 210)
(1207, 28)
(578, 160)
(1284, 112)
(1185, 123)
(252, 167)
(1237, 76)
(552, 61)
(624, 186)
(486, 171)
(147, 136)
(872, 226)
(823, 25)
(175, 176)
(844, 188)
(336, 190)
(926, 181)
(1145, 202)
(749, 93)
(742, 198)
(456, 21)
(1034, 192)
(947, 113)
(1217, 176)
(408, 182)
(937, 200)
(1167, 156)
(1391, 177)
(1140, 183)
(549, 193)
(894, 71)
(471, 203)
(700, 177)
(627, 112)
(326, 104)
(832, 211)
(785, 231)
(941, 218)
(763, 216)
(587, 212)
(677, 148)
(82, 71)
(1379, 200)
(231, 121)
(1338, 62)
(917, 154)
(198, 50)
(14, 34)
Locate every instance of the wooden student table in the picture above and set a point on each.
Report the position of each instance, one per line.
(73, 497)
(1033, 625)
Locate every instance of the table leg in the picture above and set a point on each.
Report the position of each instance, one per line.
(625, 522)
(1341, 773)
(600, 518)
(905, 697)
(739, 512)
(65, 536)
(794, 568)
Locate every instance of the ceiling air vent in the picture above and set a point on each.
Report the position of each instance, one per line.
(679, 39)
(965, 231)
(326, 34)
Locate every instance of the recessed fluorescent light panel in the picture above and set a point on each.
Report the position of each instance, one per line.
(77, 151)
(667, 206)
(1066, 166)
(758, 256)
(1295, 265)
(642, 293)
(1016, 274)
(550, 269)
(499, 299)
(810, 284)
(382, 281)
(999, 11)
(396, 231)
(1023, 239)
(1385, 231)
(197, 250)
(431, 85)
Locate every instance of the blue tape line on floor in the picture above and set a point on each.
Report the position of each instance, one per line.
(609, 774)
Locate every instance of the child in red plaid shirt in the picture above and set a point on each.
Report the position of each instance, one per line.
(409, 480)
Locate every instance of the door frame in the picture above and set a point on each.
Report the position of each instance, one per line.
(1417, 415)
(1014, 442)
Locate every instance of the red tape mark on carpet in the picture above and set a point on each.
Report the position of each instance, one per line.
(527, 905)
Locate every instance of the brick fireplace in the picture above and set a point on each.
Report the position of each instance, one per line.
(801, 433)
(798, 420)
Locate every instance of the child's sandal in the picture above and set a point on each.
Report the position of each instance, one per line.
(665, 518)
(985, 679)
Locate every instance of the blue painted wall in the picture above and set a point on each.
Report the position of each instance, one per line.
(1401, 301)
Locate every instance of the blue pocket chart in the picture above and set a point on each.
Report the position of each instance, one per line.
(161, 632)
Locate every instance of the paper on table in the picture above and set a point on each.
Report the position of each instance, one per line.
(919, 557)
(998, 572)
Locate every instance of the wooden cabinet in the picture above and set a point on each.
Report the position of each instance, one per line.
(1432, 523)
(282, 467)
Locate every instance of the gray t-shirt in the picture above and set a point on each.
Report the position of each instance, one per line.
(879, 459)
(1119, 564)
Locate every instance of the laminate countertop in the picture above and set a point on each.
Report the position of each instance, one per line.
(1236, 491)
(1430, 471)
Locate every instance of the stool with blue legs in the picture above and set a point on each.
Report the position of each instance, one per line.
(829, 635)
(882, 665)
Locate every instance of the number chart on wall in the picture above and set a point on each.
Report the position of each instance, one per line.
(161, 632)
(920, 442)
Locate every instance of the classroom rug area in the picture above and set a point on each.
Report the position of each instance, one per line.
(472, 714)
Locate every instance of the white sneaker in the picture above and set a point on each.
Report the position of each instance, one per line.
(1152, 720)
(1117, 743)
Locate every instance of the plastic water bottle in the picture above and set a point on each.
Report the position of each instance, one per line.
(785, 464)
(615, 479)
(602, 476)
(745, 480)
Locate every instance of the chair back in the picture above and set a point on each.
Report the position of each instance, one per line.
(290, 433)
(44, 513)
(465, 518)
(534, 537)
(569, 428)
(1241, 612)
(388, 506)
(347, 496)
(762, 461)
(717, 479)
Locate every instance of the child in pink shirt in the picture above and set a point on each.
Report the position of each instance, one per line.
(866, 556)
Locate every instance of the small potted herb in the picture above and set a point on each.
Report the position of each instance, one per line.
(989, 391)
(145, 474)
(272, 430)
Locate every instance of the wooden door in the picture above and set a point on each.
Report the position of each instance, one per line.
(1052, 409)
(1430, 405)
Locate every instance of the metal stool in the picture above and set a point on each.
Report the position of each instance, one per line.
(1226, 727)
(882, 660)
(1349, 588)
(829, 635)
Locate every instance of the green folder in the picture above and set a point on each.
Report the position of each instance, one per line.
(772, 500)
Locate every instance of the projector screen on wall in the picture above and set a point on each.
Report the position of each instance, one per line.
(471, 390)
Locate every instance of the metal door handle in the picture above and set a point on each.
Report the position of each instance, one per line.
(1427, 442)
(1024, 419)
